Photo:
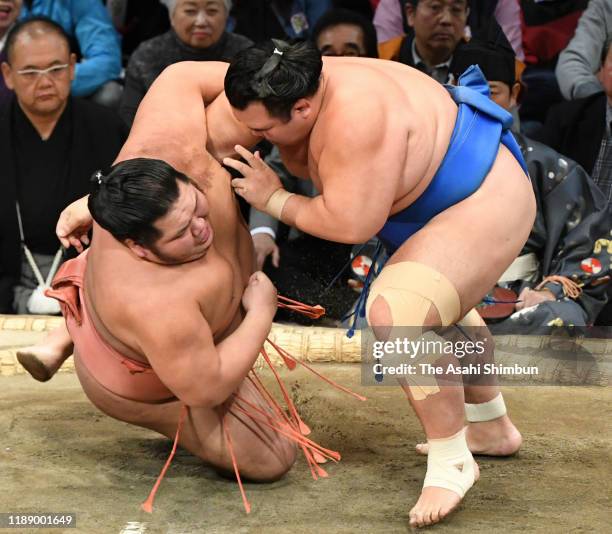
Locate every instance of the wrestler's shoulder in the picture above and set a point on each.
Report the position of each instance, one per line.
(360, 118)
(209, 297)
(362, 75)
(359, 91)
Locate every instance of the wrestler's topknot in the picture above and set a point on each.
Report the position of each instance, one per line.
(275, 73)
(261, 80)
(97, 178)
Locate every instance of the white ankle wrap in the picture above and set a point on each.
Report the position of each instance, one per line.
(485, 411)
(450, 464)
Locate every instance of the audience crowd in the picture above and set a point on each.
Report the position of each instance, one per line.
(75, 71)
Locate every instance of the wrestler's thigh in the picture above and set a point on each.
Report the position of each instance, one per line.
(261, 452)
(473, 242)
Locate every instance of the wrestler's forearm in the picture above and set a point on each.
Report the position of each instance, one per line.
(314, 217)
(238, 352)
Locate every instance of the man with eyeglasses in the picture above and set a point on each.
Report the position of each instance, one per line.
(50, 144)
(342, 32)
(91, 30)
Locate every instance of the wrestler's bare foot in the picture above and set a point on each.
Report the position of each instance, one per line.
(498, 437)
(42, 361)
(435, 504)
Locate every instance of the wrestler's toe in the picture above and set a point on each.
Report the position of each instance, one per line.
(441, 512)
(434, 505)
(416, 517)
(422, 448)
(434, 515)
(426, 517)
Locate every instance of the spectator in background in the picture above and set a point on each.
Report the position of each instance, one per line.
(296, 265)
(439, 26)
(9, 11)
(197, 34)
(507, 14)
(581, 129)
(95, 42)
(390, 19)
(562, 271)
(137, 21)
(580, 61)
(260, 20)
(547, 28)
(341, 32)
(50, 145)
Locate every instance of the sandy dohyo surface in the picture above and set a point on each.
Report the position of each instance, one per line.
(59, 454)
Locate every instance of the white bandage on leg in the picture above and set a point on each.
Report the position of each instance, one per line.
(485, 411)
(277, 202)
(450, 464)
(410, 289)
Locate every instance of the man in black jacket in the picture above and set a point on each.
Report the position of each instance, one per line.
(50, 144)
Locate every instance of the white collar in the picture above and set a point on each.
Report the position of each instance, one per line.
(418, 59)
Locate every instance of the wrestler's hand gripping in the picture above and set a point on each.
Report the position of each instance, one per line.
(259, 181)
(73, 225)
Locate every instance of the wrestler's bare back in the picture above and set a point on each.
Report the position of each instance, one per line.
(373, 116)
(410, 137)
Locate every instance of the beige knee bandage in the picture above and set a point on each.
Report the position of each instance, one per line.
(485, 411)
(422, 385)
(410, 289)
(450, 464)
